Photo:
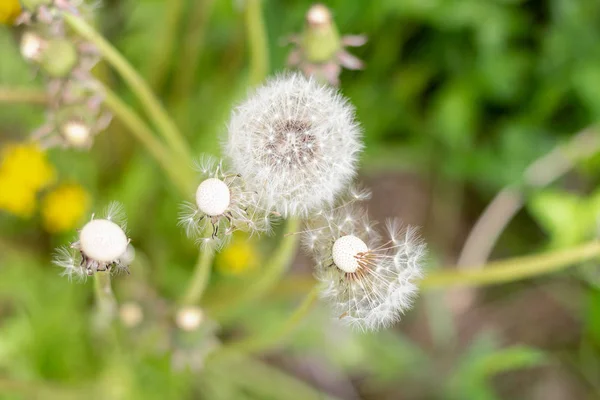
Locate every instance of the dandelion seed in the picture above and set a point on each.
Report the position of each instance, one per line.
(297, 143)
(102, 245)
(223, 205)
(369, 279)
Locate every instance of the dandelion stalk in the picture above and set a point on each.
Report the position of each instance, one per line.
(106, 304)
(21, 95)
(144, 134)
(155, 110)
(256, 344)
(257, 40)
(200, 278)
(514, 269)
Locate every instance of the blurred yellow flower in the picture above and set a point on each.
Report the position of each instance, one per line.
(24, 170)
(15, 198)
(27, 164)
(9, 11)
(239, 258)
(63, 208)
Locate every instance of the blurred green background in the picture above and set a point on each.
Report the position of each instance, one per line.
(457, 99)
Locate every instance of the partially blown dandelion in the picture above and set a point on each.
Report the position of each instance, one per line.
(368, 278)
(297, 142)
(102, 245)
(223, 205)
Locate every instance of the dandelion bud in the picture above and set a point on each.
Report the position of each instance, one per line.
(189, 318)
(31, 46)
(368, 278)
(76, 133)
(320, 51)
(296, 143)
(101, 246)
(223, 205)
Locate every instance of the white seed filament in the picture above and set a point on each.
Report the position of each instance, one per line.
(213, 197)
(103, 240)
(345, 250)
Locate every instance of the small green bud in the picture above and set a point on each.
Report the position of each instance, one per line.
(320, 39)
(59, 58)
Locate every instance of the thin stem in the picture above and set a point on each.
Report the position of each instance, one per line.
(200, 279)
(163, 52)
(22, 95)
(106, 304)
(183, 81)
(180, 176)
(154, 109)
(273, 270)
(257, 40)
(256, 344)
(513, 269)
(510, 200)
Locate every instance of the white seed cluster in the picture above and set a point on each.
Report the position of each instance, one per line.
(370, 280)
(102, 245)
(297, 143)
(223, 205)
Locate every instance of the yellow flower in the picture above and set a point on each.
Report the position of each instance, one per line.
(15, 198)
(239, 258)
(24, 170)
(64, 207)
(9, 11)
(27, 164)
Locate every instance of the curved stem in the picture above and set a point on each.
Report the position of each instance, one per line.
(200, 279)
(255, 344)
(163, 52)
(18, 95)
(106, 304)
(272, 272)
(155, 110)
(144, 134)
(510, 200)
(513, 269)
(257, 40)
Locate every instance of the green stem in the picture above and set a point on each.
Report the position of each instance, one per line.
(183, 81)
(513, 269)
(106, 304)
(200, 279)
(143, 133)
(257, 40)
(163, 52)
(271, 273)
(256, 344)
(154, 109)
(18, 95)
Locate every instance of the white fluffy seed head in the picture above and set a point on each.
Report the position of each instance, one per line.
(213, 197)
(345, 252)
(103, 240)
(296, 143)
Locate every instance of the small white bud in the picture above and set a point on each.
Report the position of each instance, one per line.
(189, 318)
(103, 240)
(318, 15)
(131, 314)
(31, 46)
(345, 252)
(76, 133)
(213, 197)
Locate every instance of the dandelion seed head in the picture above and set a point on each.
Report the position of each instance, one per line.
(213, 197)
(296, 143)
(368, 277)
(103, 240)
